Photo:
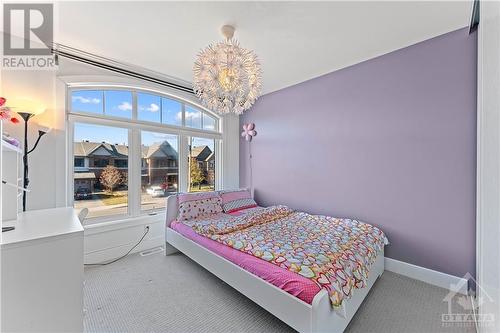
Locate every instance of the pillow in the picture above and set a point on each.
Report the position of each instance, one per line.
(184, 197)
(233, 201)
(192, 206)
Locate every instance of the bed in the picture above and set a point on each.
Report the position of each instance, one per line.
(296, 300)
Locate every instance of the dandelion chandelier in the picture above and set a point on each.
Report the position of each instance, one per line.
(227, 77)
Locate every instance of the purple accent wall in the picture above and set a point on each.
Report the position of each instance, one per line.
(390, 141)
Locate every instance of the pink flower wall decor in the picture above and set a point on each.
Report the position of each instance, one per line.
(249, 131)
(5, 112)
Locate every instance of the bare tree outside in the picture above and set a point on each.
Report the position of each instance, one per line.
(110, 178)
(124, 180)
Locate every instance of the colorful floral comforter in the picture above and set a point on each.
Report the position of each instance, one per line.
(335, 253)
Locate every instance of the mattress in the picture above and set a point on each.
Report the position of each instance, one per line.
(293, 283)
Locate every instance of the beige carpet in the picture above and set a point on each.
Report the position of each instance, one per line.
(173, 294)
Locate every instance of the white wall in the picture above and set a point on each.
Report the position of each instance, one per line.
(48, 163)
(39, 86)
(488, 171)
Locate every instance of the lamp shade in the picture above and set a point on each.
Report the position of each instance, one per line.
(26, 106)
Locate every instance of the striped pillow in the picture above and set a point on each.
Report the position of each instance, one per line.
(233, 201)
(184, 197)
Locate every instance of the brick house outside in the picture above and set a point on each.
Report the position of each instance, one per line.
(205, 158)
(159, 164)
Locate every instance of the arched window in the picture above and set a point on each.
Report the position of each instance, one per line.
(131, 147)
(141, 106)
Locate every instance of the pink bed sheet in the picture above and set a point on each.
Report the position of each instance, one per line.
(293, 283)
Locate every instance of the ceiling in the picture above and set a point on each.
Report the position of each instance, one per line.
(295, 41)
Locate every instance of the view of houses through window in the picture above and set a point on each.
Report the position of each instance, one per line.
(103, 152)
(101, 169)
(159, 169)
(201, 164)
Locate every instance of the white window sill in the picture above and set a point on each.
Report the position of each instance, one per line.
(128, 222)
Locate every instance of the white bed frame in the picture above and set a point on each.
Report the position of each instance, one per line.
(303, 317)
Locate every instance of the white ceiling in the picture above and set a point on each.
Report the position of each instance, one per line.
(295, 41)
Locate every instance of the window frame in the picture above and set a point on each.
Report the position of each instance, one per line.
(134, 127)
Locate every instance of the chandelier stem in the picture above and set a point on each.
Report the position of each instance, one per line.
(227, 31)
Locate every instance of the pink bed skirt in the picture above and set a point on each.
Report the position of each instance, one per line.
(292, 283)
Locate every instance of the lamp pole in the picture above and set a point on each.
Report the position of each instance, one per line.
(26, 117)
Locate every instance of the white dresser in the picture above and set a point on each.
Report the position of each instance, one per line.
(42, 272)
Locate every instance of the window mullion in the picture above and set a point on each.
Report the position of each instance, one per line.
(183, 107)
(70, 162)
(134, 173)
(134, 168)
(183, 163)
(219, 155)
(134, 106)
(103, 103)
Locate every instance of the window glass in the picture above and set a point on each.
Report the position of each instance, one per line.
(171, 112)
(101, 152)
(118, 103)
(208, 122)
(101, 185)
(201, 163)
(121, 163)
(193, 117)
(148, 107)
(79, 162)
(159, 169)
(89, 101)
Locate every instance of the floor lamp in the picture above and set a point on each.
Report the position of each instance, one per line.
(26, 117)
(27, 110)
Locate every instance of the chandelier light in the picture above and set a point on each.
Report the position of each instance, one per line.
(227, 77)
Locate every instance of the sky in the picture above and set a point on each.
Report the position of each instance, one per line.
(153, 108)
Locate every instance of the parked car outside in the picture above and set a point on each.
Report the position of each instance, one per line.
(83, 194)
(155, 191)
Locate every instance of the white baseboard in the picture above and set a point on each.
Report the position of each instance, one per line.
(426, 275)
